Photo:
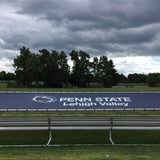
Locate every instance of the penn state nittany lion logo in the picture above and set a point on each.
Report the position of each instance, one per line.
(44, 99)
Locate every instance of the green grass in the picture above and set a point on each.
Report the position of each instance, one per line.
(81, 153)
(124, 89)
(121, 87)
(78, 137)
(80, 114)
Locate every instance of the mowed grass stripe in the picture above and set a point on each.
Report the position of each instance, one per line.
(149, 114)
(81, 153)
(117, 89)
(78, 137)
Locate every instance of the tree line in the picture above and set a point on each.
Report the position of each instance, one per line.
(152, 79)
(51, 69)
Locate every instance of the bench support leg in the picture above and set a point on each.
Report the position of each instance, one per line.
(50, 137)
(110, 131)
(50, 132)
(110, 137)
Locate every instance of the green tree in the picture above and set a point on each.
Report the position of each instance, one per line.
(80, 75)
(54, 68)
(3, 75)
(35, 69)
(153, 79)
(22, 64)
(64, 67)
(46, 67)
(56, 79)
(137, 78)
(122, 78)
(10, 76)
(95, 70)
(108, 75)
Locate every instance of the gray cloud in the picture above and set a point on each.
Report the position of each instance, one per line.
(117, 28)
(8, 54)
(103, 14)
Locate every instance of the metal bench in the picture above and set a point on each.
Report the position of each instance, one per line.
(80, 124)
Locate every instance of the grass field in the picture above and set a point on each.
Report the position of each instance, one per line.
(81, 153)
(80, 114)
(99, 152)
(83, 137)
(133, 87)
(118, 89)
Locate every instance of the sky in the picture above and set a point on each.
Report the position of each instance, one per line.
(126, 31)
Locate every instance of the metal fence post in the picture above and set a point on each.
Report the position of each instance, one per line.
(50, 132)
(110, 131)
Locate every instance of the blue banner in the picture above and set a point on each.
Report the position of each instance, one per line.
(78, 101)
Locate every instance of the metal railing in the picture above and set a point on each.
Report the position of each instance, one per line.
(109, 124)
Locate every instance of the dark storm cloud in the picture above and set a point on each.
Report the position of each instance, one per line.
(119, 27)
(103, 13)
